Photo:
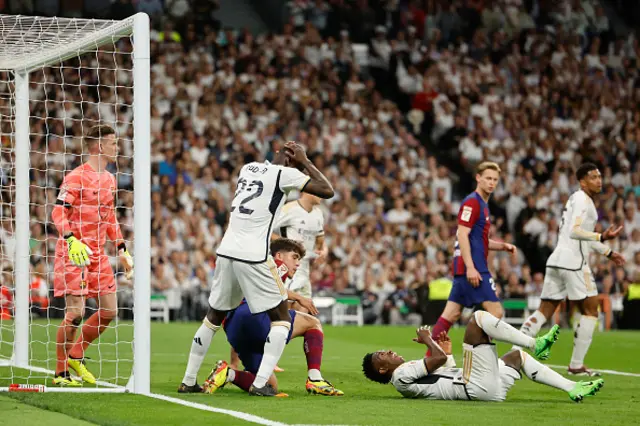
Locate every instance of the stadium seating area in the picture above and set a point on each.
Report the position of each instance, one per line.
(396, 104)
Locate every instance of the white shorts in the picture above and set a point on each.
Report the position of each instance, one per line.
(560, 283)
(488, 378)
(301, 284)
(258, 283)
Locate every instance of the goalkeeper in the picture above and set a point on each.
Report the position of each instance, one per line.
(84, 216)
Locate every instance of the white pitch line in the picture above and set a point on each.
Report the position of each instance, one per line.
(237, 414)
(613, 372)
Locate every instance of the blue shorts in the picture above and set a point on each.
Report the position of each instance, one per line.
(466, 295)
(247, 333)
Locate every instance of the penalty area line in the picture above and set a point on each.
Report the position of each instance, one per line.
(613, 372)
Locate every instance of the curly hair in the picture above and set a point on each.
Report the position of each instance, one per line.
(584, 170)
(371, 373)
(287, 245)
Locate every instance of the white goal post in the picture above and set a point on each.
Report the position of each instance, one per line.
(30, 44)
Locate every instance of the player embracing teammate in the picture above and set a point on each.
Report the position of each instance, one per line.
(472, 282)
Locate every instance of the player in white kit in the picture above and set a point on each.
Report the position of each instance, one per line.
(568, 273)
(483, 376)
(302, 220)
(245, 269)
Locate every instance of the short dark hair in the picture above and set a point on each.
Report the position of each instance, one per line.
(584, 170)
(98, 132)
(287, 245)
(371, 373)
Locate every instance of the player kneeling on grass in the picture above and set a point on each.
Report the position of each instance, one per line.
(247, 333)
(484, 376)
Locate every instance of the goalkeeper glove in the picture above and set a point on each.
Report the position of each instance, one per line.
(127, 260)
(78, 252)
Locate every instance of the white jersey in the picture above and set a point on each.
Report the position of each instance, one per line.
(412, 380)
(259, 197)
(576, 237)
(298, 224)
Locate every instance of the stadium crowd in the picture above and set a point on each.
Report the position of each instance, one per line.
(397, 102)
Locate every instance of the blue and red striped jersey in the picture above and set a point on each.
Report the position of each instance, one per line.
(474, 214)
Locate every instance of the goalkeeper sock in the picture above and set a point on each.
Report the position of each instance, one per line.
(500, 330)
(441, 325)
(64, 341)
(273, 348)
(199, 348)
(533, 324)
(313, 344)
(582, 340)
(91, 329)
(540, 373)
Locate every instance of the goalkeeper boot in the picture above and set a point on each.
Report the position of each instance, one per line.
(65, 380)
(542, 349)
(79, 366)
(217, 379)
(582, 389)
(195, 388)
(266, 390)
(322, 387)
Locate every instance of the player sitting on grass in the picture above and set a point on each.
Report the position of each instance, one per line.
(484, 376)
(247, 333)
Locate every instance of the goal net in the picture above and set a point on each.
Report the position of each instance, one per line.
(58, 78)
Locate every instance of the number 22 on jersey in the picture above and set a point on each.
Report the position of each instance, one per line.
(246, 192)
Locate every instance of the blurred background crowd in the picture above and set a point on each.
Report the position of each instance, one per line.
(396, 101)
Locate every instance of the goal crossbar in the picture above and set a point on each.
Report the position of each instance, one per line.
(64, 47)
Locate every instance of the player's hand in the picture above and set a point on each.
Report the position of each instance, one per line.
(322, 256)
(307, 303)
(424, 335)
(474, 277)
(509, 248)
(444, 341)
(78, 252)
(610, 233)
(295, 152)
(127, 263)
(617, 258)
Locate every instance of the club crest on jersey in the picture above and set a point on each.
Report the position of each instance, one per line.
(466, 213)
(282, 269)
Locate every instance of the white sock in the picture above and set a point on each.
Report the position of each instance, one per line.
(314, 375)
(231, 375)
(540, 373)
(582, 341)
(199, 348)
(533, 324)
(273, 348)
(500, 330)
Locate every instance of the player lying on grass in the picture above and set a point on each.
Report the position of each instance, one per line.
(247, 333)
(484, 376)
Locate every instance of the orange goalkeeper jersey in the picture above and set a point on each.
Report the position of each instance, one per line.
(86, 207)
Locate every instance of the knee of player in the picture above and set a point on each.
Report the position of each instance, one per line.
(108, 314)
(312, 323)
(214, 317)
(513, 359)
(74, 317)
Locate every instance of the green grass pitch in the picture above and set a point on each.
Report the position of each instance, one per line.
(364, 403)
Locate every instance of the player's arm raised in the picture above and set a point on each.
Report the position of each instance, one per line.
(438, 356)
(70, 195)
(318, 183)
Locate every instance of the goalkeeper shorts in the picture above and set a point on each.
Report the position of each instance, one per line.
(91, 281)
